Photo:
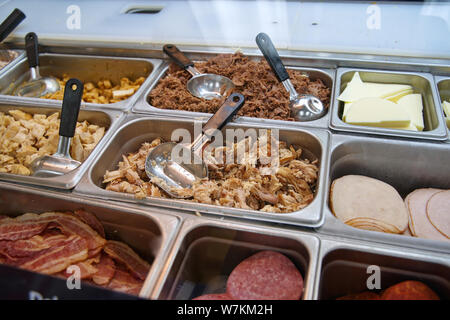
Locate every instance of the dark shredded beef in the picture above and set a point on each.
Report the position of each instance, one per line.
(265, 96)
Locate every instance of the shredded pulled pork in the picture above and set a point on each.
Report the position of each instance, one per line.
(265, 96)
(245, 183)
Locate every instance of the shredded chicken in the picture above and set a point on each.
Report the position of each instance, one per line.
(244, 184)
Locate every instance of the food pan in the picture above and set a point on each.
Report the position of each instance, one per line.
(150, 233)
(443, 87)
(137, 129)
(343, 268)
(11, 63)
(422, 83)
(326, 75)
(405, 165)
(84, 67)
(97, 116)
(206, 252)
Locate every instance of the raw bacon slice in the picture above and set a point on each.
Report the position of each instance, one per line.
(124, 254)
(22, 227)
(91, 220)
(105, 270)
(125, 282)
(266, 275)
(58, 258)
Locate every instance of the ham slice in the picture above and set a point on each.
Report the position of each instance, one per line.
(438, 211)
(419, 224)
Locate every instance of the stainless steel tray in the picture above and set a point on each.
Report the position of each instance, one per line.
(342, 268)
(405, 165)
(443, 87)
(84, 67)
(151, 232)
(21, 55)
(326, 75)
(137, 129)
(207, 250)
(423, 83)
(99, 116)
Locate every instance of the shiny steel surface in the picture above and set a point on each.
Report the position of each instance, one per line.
(405, 165)
(137, 129)
(37, 86)
(422, 83)
(83, 67)
(99, 116)
(150, 232)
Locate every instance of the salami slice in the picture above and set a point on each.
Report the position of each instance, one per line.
(266, 275)
(438, 211)
(214, 296)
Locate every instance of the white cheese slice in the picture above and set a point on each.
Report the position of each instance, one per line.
(357, 89)
(377, 112)
(413, 105)
(411, 127)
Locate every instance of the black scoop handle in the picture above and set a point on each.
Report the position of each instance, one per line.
(73, 93)
(10, 23)
(177, 56)
(31, 46)
(225, 113)
(271, 54)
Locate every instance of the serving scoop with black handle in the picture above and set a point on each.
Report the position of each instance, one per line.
(61, 163)
(305, 107)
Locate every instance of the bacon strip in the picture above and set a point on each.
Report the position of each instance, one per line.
(29, 247)
(125, 282)
(124, 254)
(56, 259)
(22, 227)
(90, 220)
(105, 270)
(87, 268)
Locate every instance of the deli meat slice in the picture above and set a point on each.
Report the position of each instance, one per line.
(266, 275)
(438, 211)
(419, 224)
(124, 254)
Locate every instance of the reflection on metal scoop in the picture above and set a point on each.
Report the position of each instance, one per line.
(177, 178)
(304, 107)
(61, 163)
(202, 85)
(37, 86)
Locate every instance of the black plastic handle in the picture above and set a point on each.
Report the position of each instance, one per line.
(180, 59)
(271, 54)
(73, 93)
(226, 112)
(10, 23)
(31, 46)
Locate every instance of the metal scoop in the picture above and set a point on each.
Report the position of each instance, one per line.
(305, 107)
(175, 177)
(202, 85)
(37, 86)
(61, 163)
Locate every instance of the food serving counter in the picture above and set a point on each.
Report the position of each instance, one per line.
(350, 192)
